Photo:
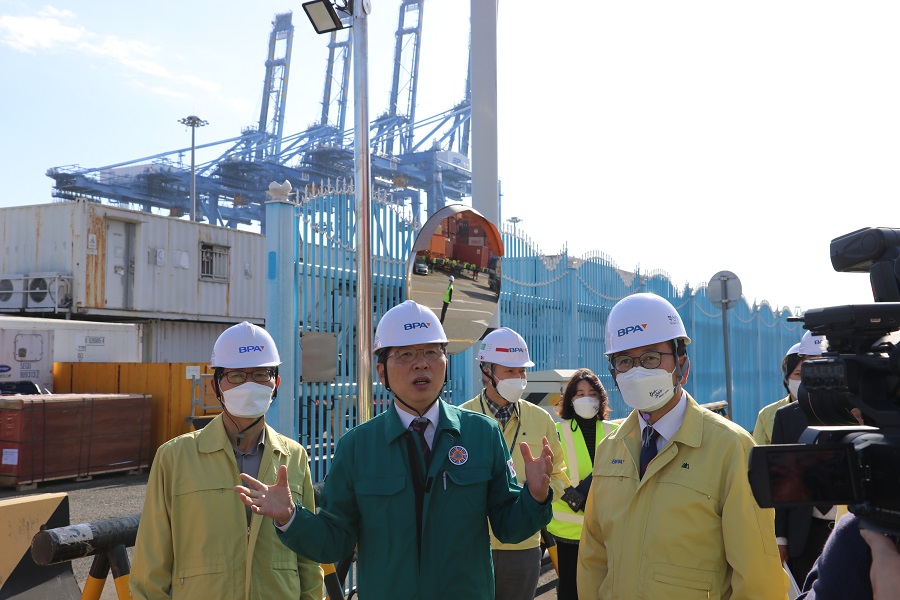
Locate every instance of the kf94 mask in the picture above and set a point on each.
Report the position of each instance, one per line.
(511, 389)
(586, 407)
(248, 400)
(646, 389)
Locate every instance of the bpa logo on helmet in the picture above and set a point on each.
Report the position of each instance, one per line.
(631, 329)
(243, 349)
(416, 325)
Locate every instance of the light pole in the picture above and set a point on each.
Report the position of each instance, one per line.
(515, 221)
(324, 18)
(193, 122)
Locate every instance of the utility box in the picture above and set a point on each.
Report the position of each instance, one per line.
(30, 346)
(67, 436)
(545, 388)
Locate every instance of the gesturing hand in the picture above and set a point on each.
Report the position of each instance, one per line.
(269, 500)
(538, 471)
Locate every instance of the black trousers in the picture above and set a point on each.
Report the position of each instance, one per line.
(567, 560)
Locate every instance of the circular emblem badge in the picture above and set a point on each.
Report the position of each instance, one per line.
(458, 455)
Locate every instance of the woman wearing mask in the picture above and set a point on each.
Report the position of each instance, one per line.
(583, 408)
(790, 373)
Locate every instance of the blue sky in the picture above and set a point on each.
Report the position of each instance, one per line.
(692, 137)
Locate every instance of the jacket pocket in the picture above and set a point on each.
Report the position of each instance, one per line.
(380, 502)
(467, 490)
(674, 582)
(202, 576)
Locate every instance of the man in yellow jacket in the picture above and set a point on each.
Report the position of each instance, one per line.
(670, 513)
(503, 359)
(196, 539)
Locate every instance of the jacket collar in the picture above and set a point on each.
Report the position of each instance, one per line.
(689, 434)
(448, 420)
(213, 438)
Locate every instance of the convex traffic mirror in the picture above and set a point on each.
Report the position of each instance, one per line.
(454, 270)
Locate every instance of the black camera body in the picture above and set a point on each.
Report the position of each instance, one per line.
(839, 461)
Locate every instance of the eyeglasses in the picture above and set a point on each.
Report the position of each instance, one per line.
(649, 360)
(431, 354)
(257, 375)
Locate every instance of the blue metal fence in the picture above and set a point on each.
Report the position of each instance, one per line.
(558, 303)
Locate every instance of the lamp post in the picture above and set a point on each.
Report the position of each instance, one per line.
(193, 122)
(324, 18)
(515, 221)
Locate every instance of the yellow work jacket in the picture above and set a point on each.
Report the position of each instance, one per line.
(193, 539)
(531, 425)
(689, 529)
(566, 523)
(762, 431)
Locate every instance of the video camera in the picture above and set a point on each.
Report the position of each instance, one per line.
(839, 461)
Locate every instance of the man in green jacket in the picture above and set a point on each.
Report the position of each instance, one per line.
(414, 487)
(196, 540)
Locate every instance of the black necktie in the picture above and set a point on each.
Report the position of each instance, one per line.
(419, 425)
(648, 447)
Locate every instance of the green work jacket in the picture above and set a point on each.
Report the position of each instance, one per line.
(368, 502)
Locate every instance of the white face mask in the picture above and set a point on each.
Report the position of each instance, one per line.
(511, 389)
(248, 400)
(794, 387)
(646, 389)
(586, 407)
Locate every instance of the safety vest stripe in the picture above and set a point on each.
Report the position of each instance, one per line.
(571, 456)
(568, 517)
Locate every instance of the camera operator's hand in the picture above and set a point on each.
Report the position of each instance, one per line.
(783, 553)
(885, 572)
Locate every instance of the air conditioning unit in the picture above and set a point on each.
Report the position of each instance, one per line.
(12, 292)
(48, 292)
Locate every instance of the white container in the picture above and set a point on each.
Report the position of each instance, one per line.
(29, 346)
(134, 265)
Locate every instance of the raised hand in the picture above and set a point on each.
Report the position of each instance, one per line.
(538, 470)
(269, 500)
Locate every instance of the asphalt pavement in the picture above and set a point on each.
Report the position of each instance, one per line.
(120, 495)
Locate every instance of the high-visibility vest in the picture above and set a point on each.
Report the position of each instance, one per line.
(567, 523)
(447, 293)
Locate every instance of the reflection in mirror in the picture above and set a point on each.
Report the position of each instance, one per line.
(455, 271)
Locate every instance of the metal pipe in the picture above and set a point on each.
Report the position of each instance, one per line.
(363, 190)
(60, 544)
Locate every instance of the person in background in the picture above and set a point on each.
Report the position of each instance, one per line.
(503, 360)
(196, 539)
(448, 298)
(801, 530)
(790, 378)
(413, 488)
(583, 408)
(670, 513)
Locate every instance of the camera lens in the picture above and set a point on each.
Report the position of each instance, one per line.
(826, 407)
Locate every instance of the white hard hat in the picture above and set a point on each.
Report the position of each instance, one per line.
(408, 324)
(505, 347)
(640, 320)
(795, 349)
(451, 278)
(245, 345)
(812, 345)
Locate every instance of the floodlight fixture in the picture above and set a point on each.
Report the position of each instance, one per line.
(323, 14)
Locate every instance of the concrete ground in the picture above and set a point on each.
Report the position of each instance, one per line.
(109, 496)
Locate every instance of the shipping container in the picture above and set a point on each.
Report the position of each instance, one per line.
(30, 346)
(91, 260)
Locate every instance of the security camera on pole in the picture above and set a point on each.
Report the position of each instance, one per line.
(724, 290)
